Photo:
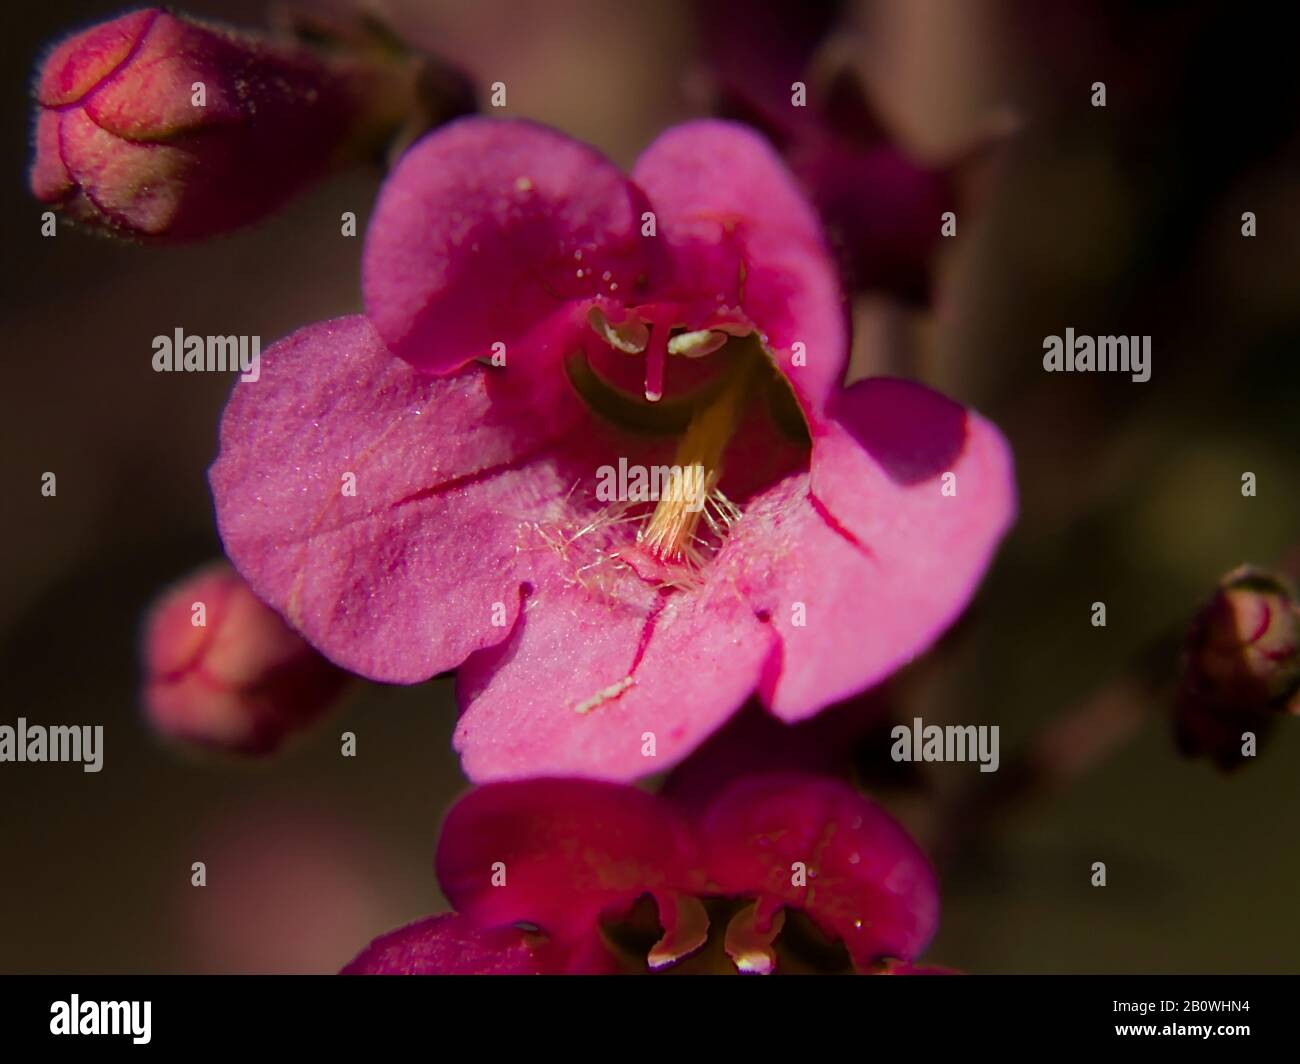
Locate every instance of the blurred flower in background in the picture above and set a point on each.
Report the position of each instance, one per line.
(1242, 668)
(224, 672)
(788, 71)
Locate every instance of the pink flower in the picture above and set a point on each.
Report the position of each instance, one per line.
(574, 861)
(430, 512)
(157, 127)
(223, 671)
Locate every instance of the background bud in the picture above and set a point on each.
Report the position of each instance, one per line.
(1244, 647)
(163, 128)
(242, 681)
(1242, 668)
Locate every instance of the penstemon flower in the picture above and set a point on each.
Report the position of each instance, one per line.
(780, 872)
(418, 489)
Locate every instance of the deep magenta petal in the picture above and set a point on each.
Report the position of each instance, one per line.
(866, 881)
(558, 853)
(485, 231)
(449, 944)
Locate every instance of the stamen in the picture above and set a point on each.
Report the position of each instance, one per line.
(655, 358)
(670, 532)
(629, 336)
(696, 344)
(604, 695)
(750, 937)
(686, 928)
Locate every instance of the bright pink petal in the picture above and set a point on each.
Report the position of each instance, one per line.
(862, 564)
(485, 230)
(867, 883)
(420, 566)
(671, 669)
(559, 853)
(739, 230)
(449, 944)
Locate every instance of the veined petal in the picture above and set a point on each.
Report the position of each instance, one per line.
(377, 509)
(863, 562)
(613, 683)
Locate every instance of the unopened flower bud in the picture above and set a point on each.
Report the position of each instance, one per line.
(223, 670)
(1244, 648)
(162, 128)
(1242, 669)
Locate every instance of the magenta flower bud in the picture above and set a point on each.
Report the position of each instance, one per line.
(1242, 669)
(222, 670)
(162, 128)
(1244, 648)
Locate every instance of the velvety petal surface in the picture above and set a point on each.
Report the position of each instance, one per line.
(592, 679)
(84, 60)
(485, 230)
(404, 577)
(863, 562)
(867, 882)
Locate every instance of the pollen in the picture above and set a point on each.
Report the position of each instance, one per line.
(671, 534)
(605, 694)
(629, 336)
(696, 344)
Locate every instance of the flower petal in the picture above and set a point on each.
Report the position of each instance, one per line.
(558, 853)
(589, 681)
(449, 944)
(735, 224)
(404, 576)
(485, 229)
(866, 881)
(863, 563)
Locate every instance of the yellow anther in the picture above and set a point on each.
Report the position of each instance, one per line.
(629, 336)
(696, 344)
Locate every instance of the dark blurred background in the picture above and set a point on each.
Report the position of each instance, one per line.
(1117, 220)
